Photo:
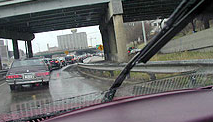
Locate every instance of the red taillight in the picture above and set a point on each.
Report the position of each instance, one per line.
(42, 73)
(56, 61)
(51, 61)
(72, 59)
(13, 76)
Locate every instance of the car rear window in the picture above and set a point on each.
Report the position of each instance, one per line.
(45, 61)
(54, 60)
(23, 63)
(69, 57)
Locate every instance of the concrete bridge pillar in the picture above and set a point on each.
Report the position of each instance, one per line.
(15, 49)
(106, 45)
(14, 35)
(120, 37)
(113, 33)
(30, 52)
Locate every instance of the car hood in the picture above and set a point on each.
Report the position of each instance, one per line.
(20, 70)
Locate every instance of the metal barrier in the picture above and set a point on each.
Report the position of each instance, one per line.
(2, 74)
(157, 66)
(39, 110)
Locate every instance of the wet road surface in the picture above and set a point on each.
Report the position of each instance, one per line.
(63, 84)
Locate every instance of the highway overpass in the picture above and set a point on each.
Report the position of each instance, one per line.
(20, 19)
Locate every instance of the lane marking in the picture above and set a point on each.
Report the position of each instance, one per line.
(2, 84)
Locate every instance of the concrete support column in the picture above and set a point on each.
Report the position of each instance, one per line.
(105, 42)
(114, 39)
(15, 49)
(112, 42)
(120, 37)
(113, 33)
(30, 52)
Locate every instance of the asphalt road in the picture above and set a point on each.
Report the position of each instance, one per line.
(63, 84)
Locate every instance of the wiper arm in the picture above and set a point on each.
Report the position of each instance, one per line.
(184, 13)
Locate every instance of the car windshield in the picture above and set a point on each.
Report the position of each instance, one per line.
(63, 56)
(24, 63)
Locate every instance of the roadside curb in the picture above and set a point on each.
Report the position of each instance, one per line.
(96, 77)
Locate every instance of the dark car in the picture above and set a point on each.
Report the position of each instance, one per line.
(55, 64)
(46, 60)
(28, 71)
(80, 58)
(70, 59)
(62, 60)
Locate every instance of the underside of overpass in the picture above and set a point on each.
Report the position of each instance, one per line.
(27, 17)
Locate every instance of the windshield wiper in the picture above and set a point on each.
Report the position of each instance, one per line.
(184, 13)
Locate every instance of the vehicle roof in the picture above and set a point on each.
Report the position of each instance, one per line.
(46, 58)
(35, 58)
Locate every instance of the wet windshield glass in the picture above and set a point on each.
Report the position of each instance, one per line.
(99, 51)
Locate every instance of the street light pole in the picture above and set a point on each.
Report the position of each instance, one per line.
(144, 33)
(91, 41)
(8, 58)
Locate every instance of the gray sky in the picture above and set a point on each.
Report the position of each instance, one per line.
(42, 39)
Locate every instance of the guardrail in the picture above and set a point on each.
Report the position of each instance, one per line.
(2, 74)
(151, 68)
(40, 110)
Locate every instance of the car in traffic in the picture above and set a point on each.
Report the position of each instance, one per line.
(135, 50)
(62, 60)
(70, 59)
(33, 72)
(46, 60)
(80, 58)
(55, 64)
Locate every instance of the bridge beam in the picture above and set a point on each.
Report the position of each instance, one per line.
(6, 34)
(113, 33)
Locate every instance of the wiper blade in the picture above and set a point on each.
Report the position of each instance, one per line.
(184, 13)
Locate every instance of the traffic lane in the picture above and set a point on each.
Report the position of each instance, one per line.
(10, 99)
(70, 83)
(5, 97)
(63, 84)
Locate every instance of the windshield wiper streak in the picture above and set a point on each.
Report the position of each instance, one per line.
(184, 13)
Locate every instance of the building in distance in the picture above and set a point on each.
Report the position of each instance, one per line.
(72, 41)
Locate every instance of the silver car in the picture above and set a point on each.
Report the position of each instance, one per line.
(28, 71)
